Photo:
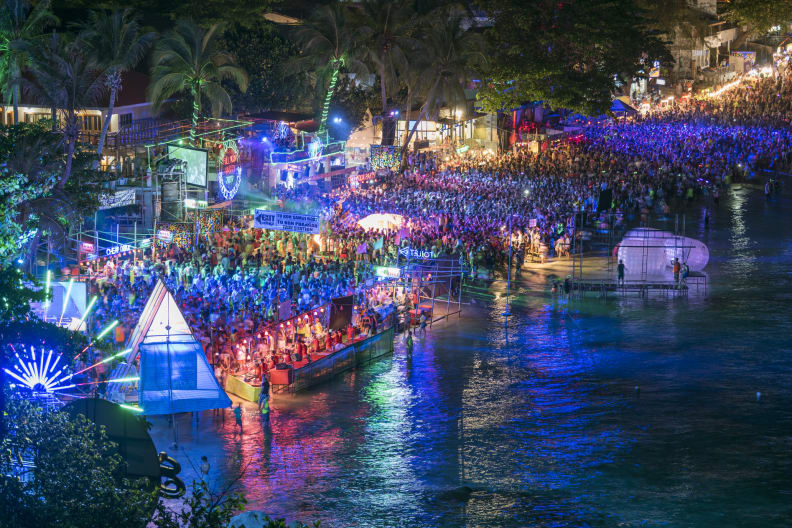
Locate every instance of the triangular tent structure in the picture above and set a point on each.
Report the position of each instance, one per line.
(619, 107)
(174, 374)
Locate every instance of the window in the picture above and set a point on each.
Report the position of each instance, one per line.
(33, 118)
(92, 122)
(124, 120)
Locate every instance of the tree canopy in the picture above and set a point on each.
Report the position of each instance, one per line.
(571, 54)
(76, 478)
(760, 15)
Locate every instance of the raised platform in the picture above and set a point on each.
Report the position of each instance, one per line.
(349, 357)
(695, 282)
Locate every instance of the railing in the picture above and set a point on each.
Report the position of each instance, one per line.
(347, 358)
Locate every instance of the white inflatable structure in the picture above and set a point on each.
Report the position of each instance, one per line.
(694, 252)
(643, 244)
(658, 249)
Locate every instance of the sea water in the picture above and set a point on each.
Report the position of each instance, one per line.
(617, 412)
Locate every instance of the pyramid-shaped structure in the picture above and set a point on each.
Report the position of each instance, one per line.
(174, 374)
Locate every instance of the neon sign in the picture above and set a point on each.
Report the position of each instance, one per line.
(229, 183)
(115, 250)
(424, 254)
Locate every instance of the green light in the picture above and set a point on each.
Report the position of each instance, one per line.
(329, 95)
(46, 291)
(121, 380)
(85, 314)
(131, 408)
(66, 301)
(234, 124)
(104, 332)
(123, 352)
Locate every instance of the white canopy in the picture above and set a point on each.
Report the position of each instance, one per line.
(389, 221)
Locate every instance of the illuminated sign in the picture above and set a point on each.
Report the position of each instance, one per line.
(424, 254)
(654, 72)
(463, 149)
(86, 247)
(115, 250)
(190, 203)
(386, 272)
(164, 235)
(282, 221)
(229, 183)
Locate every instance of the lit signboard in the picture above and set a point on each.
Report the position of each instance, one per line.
(386, 272)
(424, 254)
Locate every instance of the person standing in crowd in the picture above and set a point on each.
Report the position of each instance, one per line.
(205, 469)
(238, 416)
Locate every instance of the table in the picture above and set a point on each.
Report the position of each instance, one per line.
(244, 390)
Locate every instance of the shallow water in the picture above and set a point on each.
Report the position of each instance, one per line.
(542, 421)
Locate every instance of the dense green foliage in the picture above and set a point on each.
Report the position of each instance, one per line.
(760, 15)
(570, 54)
(190, 61)
(77, 476)
(265, 54)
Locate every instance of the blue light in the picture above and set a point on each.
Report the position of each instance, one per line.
(40, 375)
(337, 120)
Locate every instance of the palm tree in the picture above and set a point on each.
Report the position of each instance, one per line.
(328, 43)
(453, 52)
(69, 81)
(117, 44)
(20, 31)
(189, 59)
(387, 25)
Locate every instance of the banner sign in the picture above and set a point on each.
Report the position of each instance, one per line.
(119, 199)
(282, 221)
(165, 235)
(532, 222)
(386, 272)
(115, 250)
(424, 254)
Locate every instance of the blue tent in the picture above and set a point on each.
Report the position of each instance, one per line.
(174, 374)
(175, 377)
(620, 107)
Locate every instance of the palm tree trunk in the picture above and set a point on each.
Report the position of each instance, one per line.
(407, 110)
(54, 117)
(387, 120)
(383, 95)
(329, 95)
(71, 131)
(69, 156)
(16, 104)
(424, 110)
(115, 83)
(195, 112)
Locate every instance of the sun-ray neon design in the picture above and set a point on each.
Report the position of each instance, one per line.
(40, 373)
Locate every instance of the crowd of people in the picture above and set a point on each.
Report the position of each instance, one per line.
(234, 284)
